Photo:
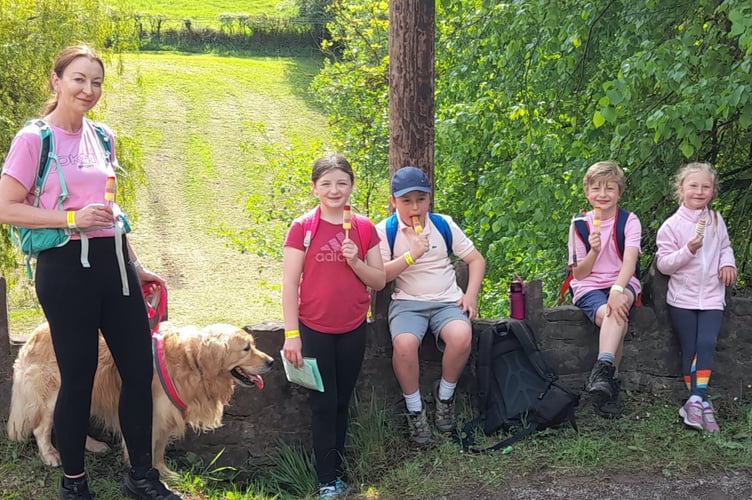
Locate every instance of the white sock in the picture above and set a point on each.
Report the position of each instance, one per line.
(695, 399)
(413, 401)
(446, 389)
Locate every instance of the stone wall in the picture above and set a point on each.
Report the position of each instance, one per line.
(257, 419)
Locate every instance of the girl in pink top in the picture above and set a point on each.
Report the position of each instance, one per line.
(693, 248)
(324, 304)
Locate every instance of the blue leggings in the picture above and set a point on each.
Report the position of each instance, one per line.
(77, 303)
(698, 336)
(339, 357)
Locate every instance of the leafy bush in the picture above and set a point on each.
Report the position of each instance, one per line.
(528, 95)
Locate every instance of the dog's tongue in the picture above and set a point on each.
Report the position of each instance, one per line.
(257, 380)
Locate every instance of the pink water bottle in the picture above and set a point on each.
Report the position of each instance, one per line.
(517, 298)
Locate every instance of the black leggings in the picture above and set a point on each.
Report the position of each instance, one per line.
(698, 336)
(339, 359)
(77, 303)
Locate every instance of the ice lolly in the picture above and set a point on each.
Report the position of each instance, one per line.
(596, 216)
(700, 228)
(110, 188)
(346, 221)
(416, 224)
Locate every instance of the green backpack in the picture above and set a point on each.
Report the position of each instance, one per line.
(34, 241)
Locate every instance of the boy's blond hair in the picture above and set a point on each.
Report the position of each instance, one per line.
(604, 171)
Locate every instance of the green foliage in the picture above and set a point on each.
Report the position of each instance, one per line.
(546, 90)
(293, 471)
(352, 88)
(529, 94)
(372, 440)
(286, 170)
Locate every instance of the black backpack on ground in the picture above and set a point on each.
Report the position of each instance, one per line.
(517, 389)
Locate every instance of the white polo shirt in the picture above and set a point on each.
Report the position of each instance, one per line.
(432, 277)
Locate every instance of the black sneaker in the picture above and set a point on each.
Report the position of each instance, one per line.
(611, 407)
(148, 488)
(599, 383)
(77, 489)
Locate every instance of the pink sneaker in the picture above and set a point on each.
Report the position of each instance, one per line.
(692, 414)
(708, 419)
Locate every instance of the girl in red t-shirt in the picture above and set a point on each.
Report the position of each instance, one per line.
(325, 299)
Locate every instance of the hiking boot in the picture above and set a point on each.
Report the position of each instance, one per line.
(147, 488)
(444, 417)
(77, 489)
(611, 407)
(599, 383)
(417, 423)
(708, 419)
(692, 414)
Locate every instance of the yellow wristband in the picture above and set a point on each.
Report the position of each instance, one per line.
(291, 334)
(70, 217)
(409, 258)
(617, 288)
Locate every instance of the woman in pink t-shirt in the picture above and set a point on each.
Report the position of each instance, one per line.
(329, 262)
(85, 290)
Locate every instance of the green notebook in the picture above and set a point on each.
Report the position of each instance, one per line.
(307, 375)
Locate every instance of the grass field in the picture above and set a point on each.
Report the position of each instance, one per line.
(205, 13)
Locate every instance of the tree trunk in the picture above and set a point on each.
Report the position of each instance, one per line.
(411, 84)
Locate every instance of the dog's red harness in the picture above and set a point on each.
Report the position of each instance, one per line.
(157, 343)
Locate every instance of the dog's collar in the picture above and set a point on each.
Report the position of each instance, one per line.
(157, 343)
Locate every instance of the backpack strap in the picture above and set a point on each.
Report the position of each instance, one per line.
(364, 232)
(46, 157)
(579, 227)
(483, 374)
(442, 225)
(104, 138)
(582, 230)
(311, 224)
(438, 222)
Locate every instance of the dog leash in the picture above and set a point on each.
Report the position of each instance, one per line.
(156, 307)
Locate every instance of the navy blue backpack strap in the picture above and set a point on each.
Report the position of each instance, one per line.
(438, 222)
(583, 231)
(442, 225)
(391, 232)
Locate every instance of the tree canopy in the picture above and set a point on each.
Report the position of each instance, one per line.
(529, 94)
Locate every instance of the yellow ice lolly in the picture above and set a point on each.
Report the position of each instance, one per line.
(596, 216)
(110, 188)
(416, 224)
(346, 221)
(700, 228)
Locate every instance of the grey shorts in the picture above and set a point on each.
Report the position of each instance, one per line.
(416, 316)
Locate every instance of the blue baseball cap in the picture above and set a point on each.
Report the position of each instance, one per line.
(408, 179)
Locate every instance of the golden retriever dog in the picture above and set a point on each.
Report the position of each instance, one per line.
(204, 365)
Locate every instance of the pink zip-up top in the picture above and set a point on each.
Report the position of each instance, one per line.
(693, 279)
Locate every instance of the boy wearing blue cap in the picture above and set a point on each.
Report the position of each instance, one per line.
(416, 247)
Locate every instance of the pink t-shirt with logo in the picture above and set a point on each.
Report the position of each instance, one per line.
(331, 297)
(608, 263)
(82, 160)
